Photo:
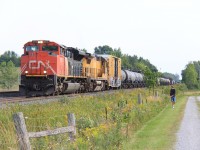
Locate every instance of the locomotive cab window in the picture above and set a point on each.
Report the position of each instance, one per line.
(62, 51)
(69, 54)
(49, 48)
(31, 48)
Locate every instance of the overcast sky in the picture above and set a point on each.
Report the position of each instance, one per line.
(166, 32)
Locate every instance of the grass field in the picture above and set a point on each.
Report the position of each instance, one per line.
(14, 88)
(124, 118)
(160, 132)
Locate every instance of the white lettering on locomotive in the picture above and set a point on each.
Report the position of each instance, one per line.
(33, 64)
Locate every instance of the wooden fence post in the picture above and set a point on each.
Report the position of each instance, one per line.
(156, 94)
(21, 130)
(72, 122)
(139, 98)
(106, 110)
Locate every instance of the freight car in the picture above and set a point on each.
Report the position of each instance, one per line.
(132, 79)
(50, 68)
(163, 81)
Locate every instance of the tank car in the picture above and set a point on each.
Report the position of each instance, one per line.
(132, 79)
(163, 81)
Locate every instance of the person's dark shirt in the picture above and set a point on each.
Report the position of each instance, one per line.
(172, 92)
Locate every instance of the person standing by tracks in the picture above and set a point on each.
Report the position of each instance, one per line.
(173, 95)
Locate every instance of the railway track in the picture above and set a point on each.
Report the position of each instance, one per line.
(5, 98)
(24, 99)
(10, 94)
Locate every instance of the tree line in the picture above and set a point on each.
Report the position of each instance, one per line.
(10, 56)
(9, 69)
(191, 75)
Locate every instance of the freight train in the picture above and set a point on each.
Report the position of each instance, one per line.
(49, 68)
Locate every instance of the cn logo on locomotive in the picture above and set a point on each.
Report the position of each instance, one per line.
(33, 64)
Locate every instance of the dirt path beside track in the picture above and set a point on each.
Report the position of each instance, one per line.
(188, 136)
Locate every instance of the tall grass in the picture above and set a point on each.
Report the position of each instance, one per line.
(124, 115)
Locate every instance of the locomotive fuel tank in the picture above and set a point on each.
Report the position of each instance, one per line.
(70, 87)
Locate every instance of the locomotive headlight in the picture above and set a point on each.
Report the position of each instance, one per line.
(40, 42)
(45, 71)
(26, 72)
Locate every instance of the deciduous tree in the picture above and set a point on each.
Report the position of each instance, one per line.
(103, 50)
(190, 76)
(10, 56)
(150, 78)
(8, 75)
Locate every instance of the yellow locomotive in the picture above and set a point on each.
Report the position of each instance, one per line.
(102, 71)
